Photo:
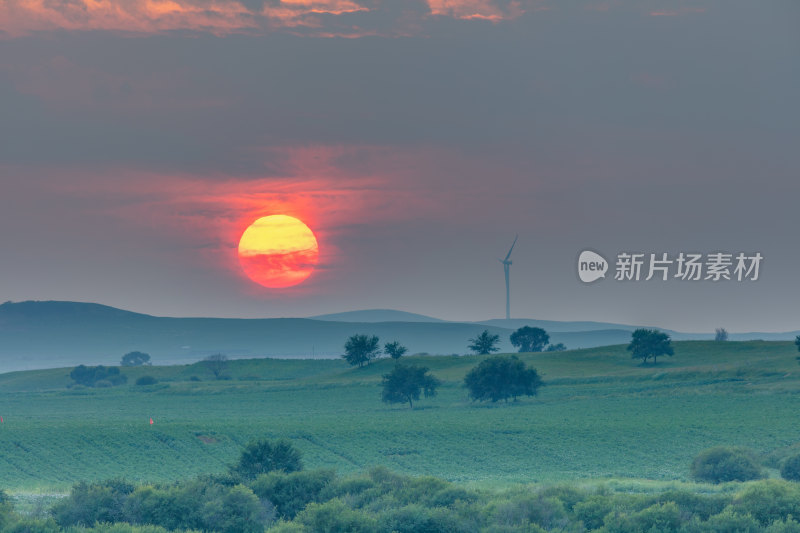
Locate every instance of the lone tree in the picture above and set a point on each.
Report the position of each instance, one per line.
(217, 364)
(501, 378)
(135, 359)
(721, 335)
(395, 350)
(263, 456)
(722, 464)
(529, 339)
(485, 343)
(647, 343)
(405, 383)
(361, 349)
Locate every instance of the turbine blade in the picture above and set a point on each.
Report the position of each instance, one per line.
(512, 247)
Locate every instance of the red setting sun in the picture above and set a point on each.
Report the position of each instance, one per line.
(278, 251)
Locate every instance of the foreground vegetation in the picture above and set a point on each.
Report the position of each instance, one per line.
(382, 501)
(599, 415)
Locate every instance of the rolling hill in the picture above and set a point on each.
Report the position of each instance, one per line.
(59, 334)
(599, 416)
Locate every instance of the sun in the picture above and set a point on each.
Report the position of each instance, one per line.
(278, 251)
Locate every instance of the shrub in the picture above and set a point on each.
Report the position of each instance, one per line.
(30, 525)
(721, 464)
(790, 469)
(593, 510)
(769, 500)
(287, 527)
(89, 376)
(263, 456)
(527, 528)
(6, 509)
(559, 347)
(568, 495)
(729, 521)
(417, 518)
(290, 493)
(90, 503)
(233, 510)
(199, 504)
(661, 518)
(349, 488)
(702, 506)
(146, 380)
(336, 517)
(790, 525)
(548, 513)
(448, 497)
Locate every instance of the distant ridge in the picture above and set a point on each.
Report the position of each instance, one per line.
(44, 308)
(555, 325)
(61, 334)
(376, 315)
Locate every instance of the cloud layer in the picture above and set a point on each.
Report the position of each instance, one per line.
(350, 18)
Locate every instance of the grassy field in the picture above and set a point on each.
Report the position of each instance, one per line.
(600, 416)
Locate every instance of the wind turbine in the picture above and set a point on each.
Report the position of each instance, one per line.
(506, 269)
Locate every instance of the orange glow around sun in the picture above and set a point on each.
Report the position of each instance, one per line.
(278, 251)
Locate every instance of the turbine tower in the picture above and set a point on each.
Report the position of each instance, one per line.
(506, 269)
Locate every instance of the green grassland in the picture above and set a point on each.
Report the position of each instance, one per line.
(601, 415)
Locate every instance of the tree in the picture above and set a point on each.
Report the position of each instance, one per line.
(263, 456)
(485, 343)
(529, 339)
(556, 347)
(91, 376)
(217, 364)
(405, 383)
(501, 378)
(721, 464)
(721, 335)
(797, 342)
(395, 350)
(135, 359)
(790, 469)
(361, 349)
(647, 343)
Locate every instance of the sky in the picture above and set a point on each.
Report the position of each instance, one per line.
(416, 138)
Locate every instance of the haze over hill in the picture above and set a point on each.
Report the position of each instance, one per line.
(391, 315)
(376, 315)
(59, 334)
